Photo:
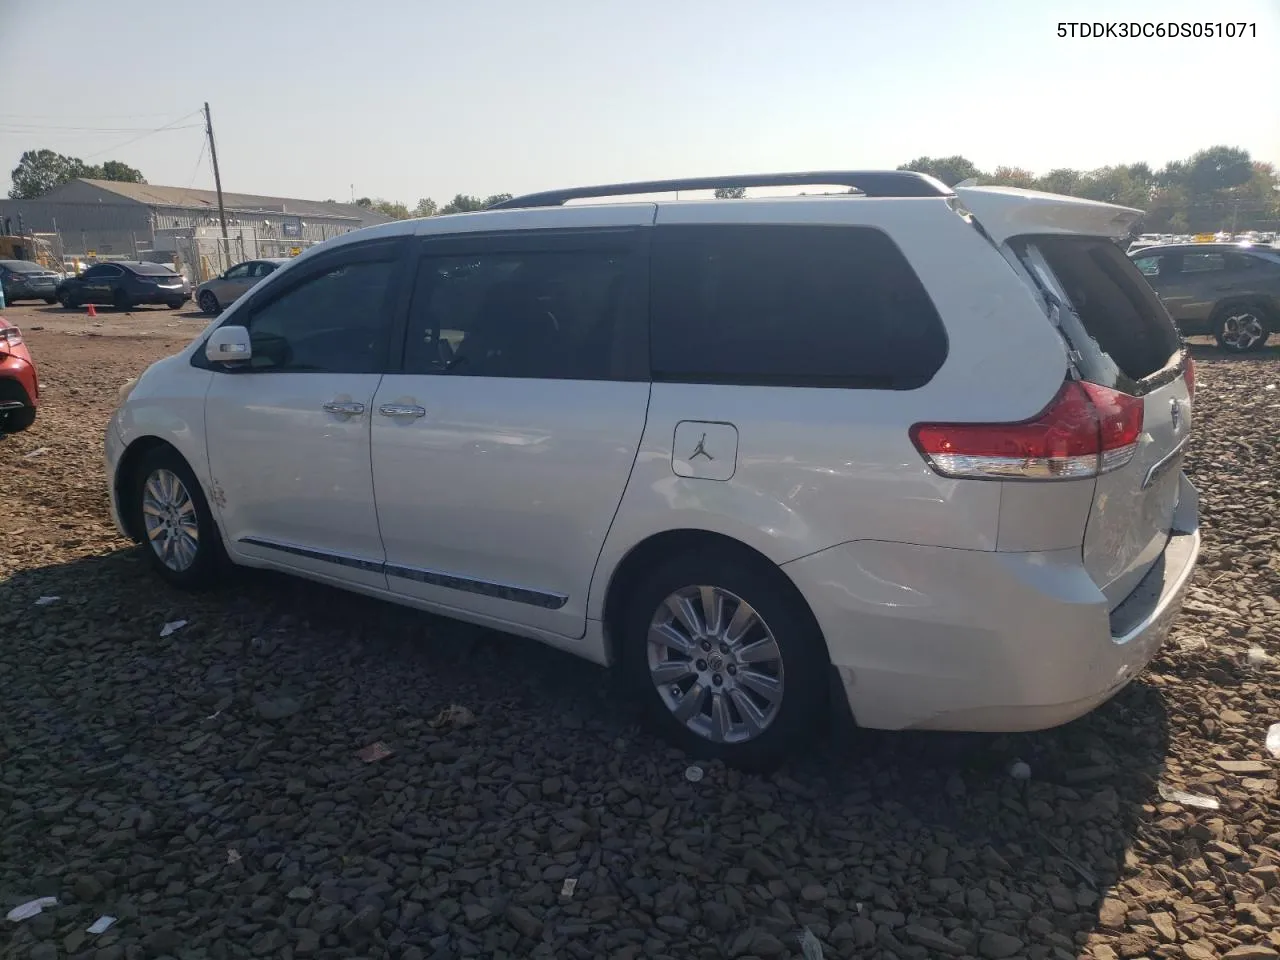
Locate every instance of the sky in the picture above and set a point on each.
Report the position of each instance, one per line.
(401, 100)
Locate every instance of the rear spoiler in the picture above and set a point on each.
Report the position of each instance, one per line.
(1006, 212)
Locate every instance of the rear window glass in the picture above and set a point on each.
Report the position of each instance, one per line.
(1123, 334)
(790, 305)
(153, 270)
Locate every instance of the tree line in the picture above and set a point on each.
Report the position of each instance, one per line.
(39, 171)
(1218, 187)
(1215, 188)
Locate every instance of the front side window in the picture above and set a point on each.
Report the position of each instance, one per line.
(790, 306)
(548, 314)
(334, 321)
(238, 273)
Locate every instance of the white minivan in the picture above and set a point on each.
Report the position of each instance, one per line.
(908, 453)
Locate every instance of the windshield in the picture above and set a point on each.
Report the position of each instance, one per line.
(154, 270)
(23, 266)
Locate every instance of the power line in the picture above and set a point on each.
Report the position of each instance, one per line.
(167, 126)
(204, 145)
(95, 115)
(19, 127)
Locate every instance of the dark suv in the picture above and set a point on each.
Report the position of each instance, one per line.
(125, 284)
(1229, 290)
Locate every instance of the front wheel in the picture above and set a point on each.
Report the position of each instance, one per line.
(208, 302)
(50, 300)
(726, 659)
(1241, 329)
(174, 520)
(67, 300)
(121, 300)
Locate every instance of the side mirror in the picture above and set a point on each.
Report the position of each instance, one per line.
(227, 345)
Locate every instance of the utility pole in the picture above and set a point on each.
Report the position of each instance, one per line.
(217, 182)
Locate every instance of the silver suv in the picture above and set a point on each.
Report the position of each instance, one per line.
(904, 452)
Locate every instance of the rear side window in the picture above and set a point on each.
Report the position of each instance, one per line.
(790, 305)
(1112, 317)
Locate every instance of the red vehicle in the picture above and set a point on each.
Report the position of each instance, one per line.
(19, 385)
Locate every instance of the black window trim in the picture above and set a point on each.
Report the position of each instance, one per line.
(633, 318)
(839, 382)
(389, 249)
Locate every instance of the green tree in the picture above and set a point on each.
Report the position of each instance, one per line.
(463, 203)
(493, 198)
(390, 208)
(39, 171)
(1217, 168)
(117, 171)
(950, 170)
(730, 193)
(426, 208)
(1062, 180)
(1012, 177)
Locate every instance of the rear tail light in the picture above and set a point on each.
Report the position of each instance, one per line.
(1085, 431)
(1189, 375)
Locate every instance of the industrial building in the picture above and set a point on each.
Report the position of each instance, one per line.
(105, 219)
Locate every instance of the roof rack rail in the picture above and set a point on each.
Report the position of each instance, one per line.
(870, 183)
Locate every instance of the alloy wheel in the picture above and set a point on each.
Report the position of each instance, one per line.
(715, 664)
(169, 515)
(1242, 331)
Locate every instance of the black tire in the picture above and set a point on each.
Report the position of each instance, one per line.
(50, 300)
(804, 662)
(208, 303)
(120, 300)
(174, 304)
(68, 301)
(210, 558)
(1242, 327)
(15, 421)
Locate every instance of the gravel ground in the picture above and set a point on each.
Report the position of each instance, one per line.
(206, 787)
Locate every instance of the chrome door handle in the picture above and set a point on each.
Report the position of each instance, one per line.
(402, 410)
(344, 408)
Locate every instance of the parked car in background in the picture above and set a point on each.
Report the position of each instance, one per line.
(220, 292)
(24, 280)
(769, 459)
(1230, 291)
(125, 284)
(19, 381)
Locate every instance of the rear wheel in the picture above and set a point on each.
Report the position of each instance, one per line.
(1241, 328)
(174, 521)
(15, 421)
(726, 659)
(51, 300)
(208, 302)
(174, 304)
